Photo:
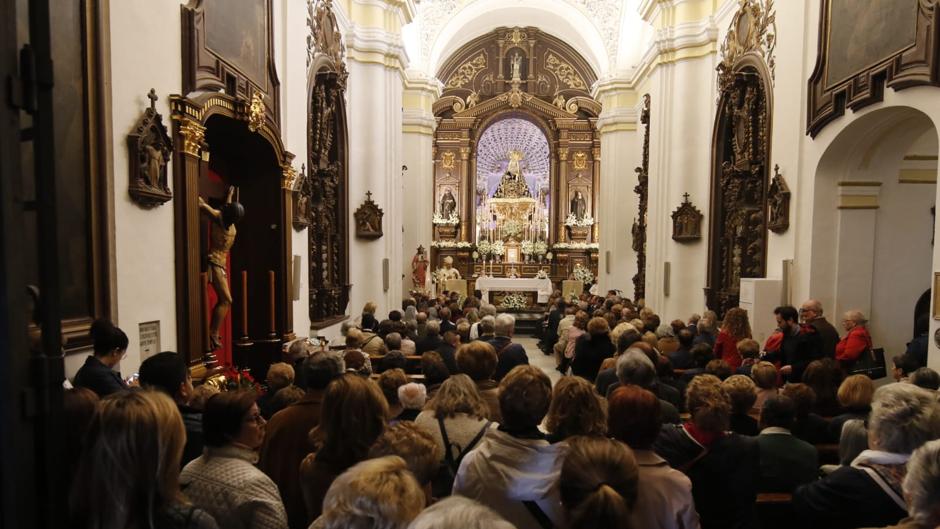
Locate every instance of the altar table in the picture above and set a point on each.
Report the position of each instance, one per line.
(543, 287)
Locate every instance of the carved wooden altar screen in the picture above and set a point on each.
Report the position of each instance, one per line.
(520, 73)
(643, 193)
(741, 155)
(230, 106)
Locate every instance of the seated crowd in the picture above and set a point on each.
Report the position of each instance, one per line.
(432, 418)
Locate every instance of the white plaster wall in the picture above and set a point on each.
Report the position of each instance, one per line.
(145, 54)
(621, 151)
(682, 116)
(290, 48)
(374, 118)
(418, 200)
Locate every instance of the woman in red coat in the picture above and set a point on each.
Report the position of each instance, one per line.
(856, 341)
(734, 328)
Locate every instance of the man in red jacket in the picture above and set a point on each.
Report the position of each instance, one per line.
(856, 342)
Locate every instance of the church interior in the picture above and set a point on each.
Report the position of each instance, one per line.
(250, 184)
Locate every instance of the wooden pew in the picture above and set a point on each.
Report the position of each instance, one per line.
(775, 510)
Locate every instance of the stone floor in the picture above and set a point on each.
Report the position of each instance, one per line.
(538, 358)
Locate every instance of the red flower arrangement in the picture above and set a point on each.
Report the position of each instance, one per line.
(239, 380)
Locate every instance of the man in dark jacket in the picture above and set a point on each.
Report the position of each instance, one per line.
(785, 461)
(812, 314)
(681, 358)
(432, 340)
(448, 350)
(510, 354)
(287, 439)
(167, 372)
(801, 344)
(551, 331)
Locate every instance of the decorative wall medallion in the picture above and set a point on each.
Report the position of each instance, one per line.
(686, 222)
(753, 31)
(447, 160)
(580, 160)
(149, 149)
(368, 219)
(778, 202)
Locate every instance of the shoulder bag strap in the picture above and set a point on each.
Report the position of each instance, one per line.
(473, 442)
(543, 520)
(448, 457)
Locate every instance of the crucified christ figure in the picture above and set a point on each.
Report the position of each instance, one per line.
(221, 238)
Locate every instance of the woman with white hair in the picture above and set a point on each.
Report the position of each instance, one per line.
(412, 397)
(856, 342)
(922, 488)
(868, 492)
(461, 512)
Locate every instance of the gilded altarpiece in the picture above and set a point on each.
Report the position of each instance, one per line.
(325, 191)
(741, 155)
(526, 75)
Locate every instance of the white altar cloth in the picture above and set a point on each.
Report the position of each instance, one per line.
(542, 287)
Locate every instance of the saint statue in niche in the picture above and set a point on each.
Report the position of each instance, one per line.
(153, 167)
(578, 205)
(514, 158)
(221, 238)
(448, 204)
(419, 269)
(516, 66)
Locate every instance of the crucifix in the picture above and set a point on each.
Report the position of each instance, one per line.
(368, 196)
(686, 197)
(152, 96)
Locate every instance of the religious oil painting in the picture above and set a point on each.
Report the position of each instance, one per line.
(235, 29)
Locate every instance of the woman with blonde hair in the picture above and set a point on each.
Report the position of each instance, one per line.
(599, 482)
(576, 409)
(129, 473)
(375, 494)
(854, 395)
(734, 328)
(764, 375)
(723, 466)
(354, 414)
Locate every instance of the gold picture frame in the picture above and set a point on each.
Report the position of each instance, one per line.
(936, 296)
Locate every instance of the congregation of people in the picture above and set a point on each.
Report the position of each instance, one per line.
(433, 418)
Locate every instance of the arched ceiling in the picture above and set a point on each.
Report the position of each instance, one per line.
(507, 135)
(592, 27)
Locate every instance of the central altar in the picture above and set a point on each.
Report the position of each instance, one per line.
(542, 287)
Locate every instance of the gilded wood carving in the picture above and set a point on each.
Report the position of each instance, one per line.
(778, 203)
(149, 149)
(642, 191)
(866, 47)
(326, 184)
(740, 155)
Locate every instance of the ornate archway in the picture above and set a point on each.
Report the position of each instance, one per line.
(517, 74)
(741, 156)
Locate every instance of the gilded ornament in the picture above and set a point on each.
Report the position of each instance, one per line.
(467, 71)
(580, 160)
(256, 112)
(288, 177)
(193, 135)
(753, 31)
(447, 160)
(565, 72)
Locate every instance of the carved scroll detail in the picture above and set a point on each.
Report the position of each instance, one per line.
(466, 72)
(565, 72)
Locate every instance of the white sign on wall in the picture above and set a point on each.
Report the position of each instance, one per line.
(149, 339)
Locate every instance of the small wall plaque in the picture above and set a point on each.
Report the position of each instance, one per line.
(686, 222)
(778, 203)
(368, 219)
(149, 149)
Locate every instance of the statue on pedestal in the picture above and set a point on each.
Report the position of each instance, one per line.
(448, 204)
(221, 238)
(578, 206)
(419, 269)
(516, 67)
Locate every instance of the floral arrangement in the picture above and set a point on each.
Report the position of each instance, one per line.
(528, 248)
(484, 247)
(540, 247)
(231, 378)
(497, 248)
(583, 275)
(583, 222)
(451, 244)
(452, 220)
(541, 274)
(575, 246)
(512, 228)
(515, 301)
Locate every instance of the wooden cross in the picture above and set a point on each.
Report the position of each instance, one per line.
(368, 196)
(686, 197)
(152, 96)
